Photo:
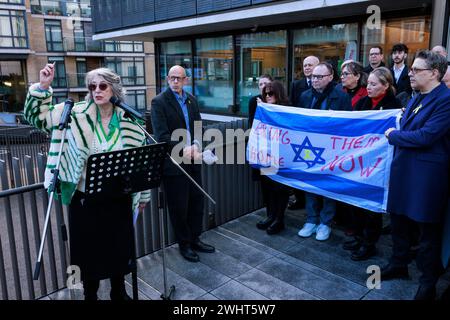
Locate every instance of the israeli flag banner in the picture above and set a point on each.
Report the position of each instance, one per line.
(342, 155)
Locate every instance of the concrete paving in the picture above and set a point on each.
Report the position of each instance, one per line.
(250, 265)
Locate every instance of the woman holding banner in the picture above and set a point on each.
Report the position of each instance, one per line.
(278, 196)
(367, 224)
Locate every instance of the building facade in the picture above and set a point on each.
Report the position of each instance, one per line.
(225, 45)
(34, 32)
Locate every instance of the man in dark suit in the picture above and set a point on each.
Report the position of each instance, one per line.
(172, 110)
(419, 181)
(399, 69)
(325, 96)
(300, 86)
(297, 88)
(375, 59)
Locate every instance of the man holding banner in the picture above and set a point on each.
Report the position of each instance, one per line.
(419, 180)
(323, 96)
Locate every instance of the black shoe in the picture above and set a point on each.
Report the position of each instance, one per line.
(197, 245)
(390, 272)
(295, 205)
(364, 253)
(264, 224)
(275, 227)
(352, 245)
(425, 293)
(189, 254)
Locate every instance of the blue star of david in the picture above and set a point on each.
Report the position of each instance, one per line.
(308, 147)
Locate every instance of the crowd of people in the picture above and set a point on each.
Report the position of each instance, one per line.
(419, 181)
(101, 234)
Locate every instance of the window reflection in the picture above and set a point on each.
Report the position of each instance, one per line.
(214, 73)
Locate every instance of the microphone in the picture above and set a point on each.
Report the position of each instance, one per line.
(65, 116)
(128, 110)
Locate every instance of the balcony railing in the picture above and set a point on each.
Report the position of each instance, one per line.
(62, 8)
(86, 44)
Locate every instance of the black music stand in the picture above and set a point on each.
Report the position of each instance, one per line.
(125, 172)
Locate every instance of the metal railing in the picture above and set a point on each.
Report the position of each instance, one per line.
(22, 211)
(86, 44)
(16, 142)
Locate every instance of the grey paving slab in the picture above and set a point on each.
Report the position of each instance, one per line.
(247, 241)
(274, 241)
(272, 287)
(236, 249)
(208, 296)
(310, 282)
(338, 280)
(224, 264)
(234, 290)
(65, 294)
(198, 273)
(330, 262)
(150, 271)
(374, 294)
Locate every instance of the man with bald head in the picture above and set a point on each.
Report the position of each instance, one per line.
(300, 86)
(172, 110)
(441, 50)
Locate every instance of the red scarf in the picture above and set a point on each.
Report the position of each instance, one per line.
(376, 101)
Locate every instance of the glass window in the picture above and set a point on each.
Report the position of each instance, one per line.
(136, 99)
(413, 31)
(12, 1)
(131, 70)
(12, 86)
(124, 46)
(213, 76)
(59, 81)
(78, 37)
(257, 54)
(175, 53)
(59, 97)
(334, 44)
(12, 29)
(53, 35)
(81, 72)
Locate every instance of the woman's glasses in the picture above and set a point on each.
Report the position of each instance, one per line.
(269, 94)
(102, 86)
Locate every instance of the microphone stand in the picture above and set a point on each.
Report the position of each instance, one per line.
(64, 125)
(166, 295)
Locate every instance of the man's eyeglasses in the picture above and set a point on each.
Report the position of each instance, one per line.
(319, 76)
(179, 79)
(416, 70)
(374, 54)
(268, 94)
(102, 86)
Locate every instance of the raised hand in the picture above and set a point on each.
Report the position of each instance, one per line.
(46, 76)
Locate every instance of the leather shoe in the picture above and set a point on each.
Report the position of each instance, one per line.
(352, 245)
(364, 253)
(295, 205)
(264, 224)
(189, 254)
(425, 293)
(275, 227)
(197, 245)
(390, 272)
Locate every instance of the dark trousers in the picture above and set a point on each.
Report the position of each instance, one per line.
(367, 226)
(277, 197)
(117, 288)
(185, 204)
(428, 255)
